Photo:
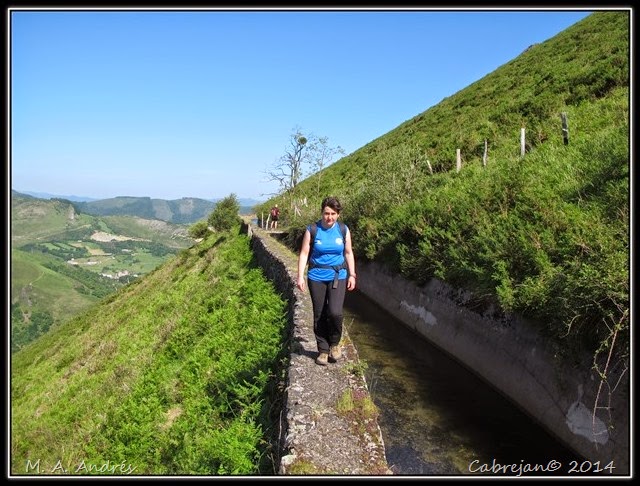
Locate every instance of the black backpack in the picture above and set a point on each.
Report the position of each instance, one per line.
(313, 231)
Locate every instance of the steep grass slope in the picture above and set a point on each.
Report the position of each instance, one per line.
(176, 373)
(59, 258)
(544, 233)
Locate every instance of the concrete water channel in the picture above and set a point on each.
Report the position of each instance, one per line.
(497, 402)
(436, 416)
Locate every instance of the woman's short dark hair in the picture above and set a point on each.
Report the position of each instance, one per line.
(333, 203)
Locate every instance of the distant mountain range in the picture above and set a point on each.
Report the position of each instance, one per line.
(45, 195)
(179, 211)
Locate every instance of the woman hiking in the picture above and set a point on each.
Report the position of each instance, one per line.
(331, 273)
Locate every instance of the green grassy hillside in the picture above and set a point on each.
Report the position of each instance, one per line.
(42, 297)
(155, 381)
(175, 373)
(62, 261)
(544, 235)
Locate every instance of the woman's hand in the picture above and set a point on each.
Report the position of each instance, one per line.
(301, 283)
(351, 282)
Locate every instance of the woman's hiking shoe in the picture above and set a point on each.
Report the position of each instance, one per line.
(335, 353)
(322, 359)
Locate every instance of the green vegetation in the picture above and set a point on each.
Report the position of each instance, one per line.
(181, 372)
(199, 229)
(179, 211)
(544, 235)
(225, 214)
(356, 403)
(176, 373)
(186, 210)
(303, 467)
(43, 296)
(63, 262)
(357, 368)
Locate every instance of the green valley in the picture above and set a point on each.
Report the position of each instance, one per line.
(63, 262)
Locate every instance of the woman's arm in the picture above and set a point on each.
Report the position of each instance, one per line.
(302, 259)
(351, 262)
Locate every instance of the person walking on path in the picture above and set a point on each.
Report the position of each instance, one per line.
(332, 271)
(275, 214)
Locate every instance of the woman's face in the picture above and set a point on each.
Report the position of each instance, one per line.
(329, 216)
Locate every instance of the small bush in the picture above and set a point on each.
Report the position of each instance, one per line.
(225, 217)
(199, 229)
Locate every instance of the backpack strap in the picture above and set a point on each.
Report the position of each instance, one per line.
(313, 230)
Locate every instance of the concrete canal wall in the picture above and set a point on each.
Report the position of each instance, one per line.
(508, 354)
(511, 356)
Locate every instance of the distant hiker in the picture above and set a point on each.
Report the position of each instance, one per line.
(275, 214)
(332, 270)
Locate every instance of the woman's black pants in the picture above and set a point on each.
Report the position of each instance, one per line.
(327, 312)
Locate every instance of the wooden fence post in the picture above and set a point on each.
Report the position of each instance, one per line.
(565, 128)
(429, 167)
(458, 160)
(484, 156)
(522, 144)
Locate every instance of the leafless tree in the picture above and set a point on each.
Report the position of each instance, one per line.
(305, 151)
(287, 171)
(322, 155)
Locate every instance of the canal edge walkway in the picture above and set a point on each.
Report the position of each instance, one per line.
(328, 424)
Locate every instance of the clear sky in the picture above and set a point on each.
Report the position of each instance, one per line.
(202, 103)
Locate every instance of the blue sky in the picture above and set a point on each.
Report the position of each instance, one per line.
(202, 103)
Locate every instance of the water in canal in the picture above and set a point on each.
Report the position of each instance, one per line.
(436, 417)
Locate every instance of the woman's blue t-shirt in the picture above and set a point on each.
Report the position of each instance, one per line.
(328, 249)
